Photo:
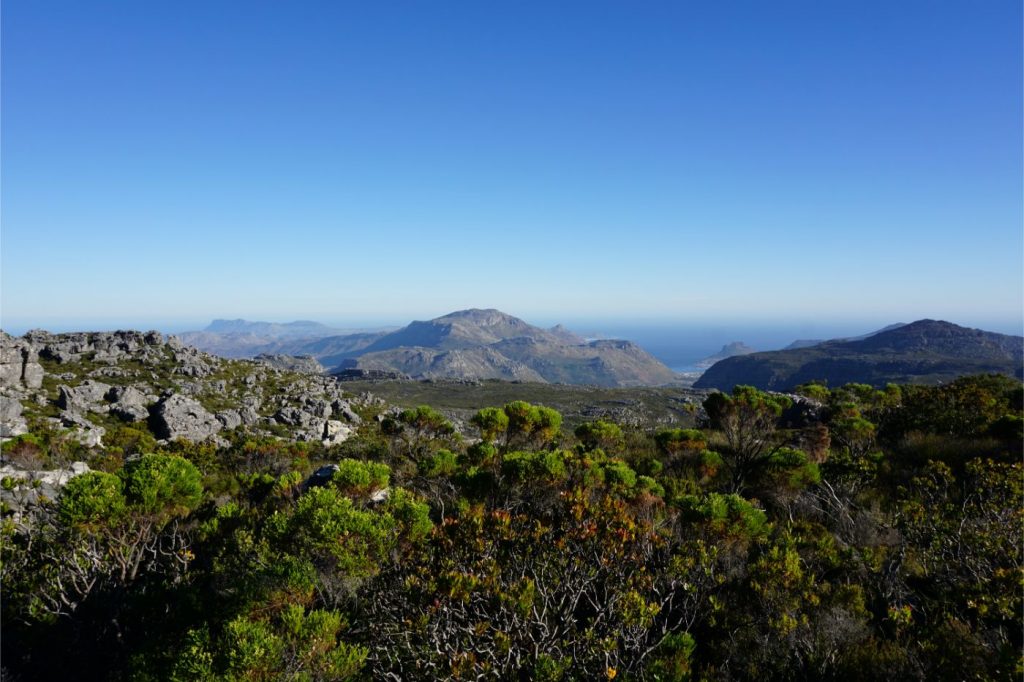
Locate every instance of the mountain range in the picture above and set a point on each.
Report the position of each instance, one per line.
(468, 344)
(926, 351)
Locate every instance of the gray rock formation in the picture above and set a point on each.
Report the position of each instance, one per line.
(304, 364)
(230, 418)
(336, 432)
(86, 396)
(27, 489)
(129, 403)
(11, 422)
(19, 363)
(177, 416)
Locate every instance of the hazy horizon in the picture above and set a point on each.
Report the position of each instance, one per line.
(676, 343)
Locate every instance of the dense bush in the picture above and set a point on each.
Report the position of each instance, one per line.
(881, 542)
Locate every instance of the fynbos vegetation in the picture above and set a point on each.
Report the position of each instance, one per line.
(844, 533)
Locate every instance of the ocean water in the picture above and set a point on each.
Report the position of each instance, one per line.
(680, 346)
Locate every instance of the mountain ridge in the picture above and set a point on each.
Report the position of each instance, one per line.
(476, 343)
(925, 351)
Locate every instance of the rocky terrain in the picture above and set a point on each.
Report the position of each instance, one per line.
(87, 382)
(926, 352)
(470, 344)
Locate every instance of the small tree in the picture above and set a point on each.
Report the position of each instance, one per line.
(748, 420)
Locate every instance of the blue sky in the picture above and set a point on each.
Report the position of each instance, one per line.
(361, 163)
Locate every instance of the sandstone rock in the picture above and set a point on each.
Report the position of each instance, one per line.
(129, 412)
(90, 436)
(19, 363)
(336, 432)
(318, 408)
(32, 487)
(250, 415)
(177, 416)
(344, 408)
(305, 364)
(292, 416)
(11, 422)
(85, 396)
(230, 418)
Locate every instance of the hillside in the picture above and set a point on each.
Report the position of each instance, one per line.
(246, 339)
(488, 344)
(470, 344)
(926, 352)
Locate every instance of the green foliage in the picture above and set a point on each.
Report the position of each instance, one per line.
(129, 440)
(673, 441)
(600, 434)
(92, 498)
(535, 467)
(808, 550)
(327, 524)
(360, 478)
(411, 514)
(619, 476)
(793, 468)
(530, 425)
(492, 422)
(162, 484)
(672, 659)
(427, 421)
(814, 391)
(727, 514)
(441, 463)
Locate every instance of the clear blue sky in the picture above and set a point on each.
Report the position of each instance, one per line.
(382, 161)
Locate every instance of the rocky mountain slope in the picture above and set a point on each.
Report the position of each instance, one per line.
(245, 339)
(488, 344)
(807, 343)
(469, 344)
(926, 351)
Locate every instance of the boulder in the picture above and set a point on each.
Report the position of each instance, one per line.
(230, 418)
(336, 432)
(19, 363)
(177, 416)
(130, 412)
(292, 416)
(11, 422)
(321, 476)
(344, 408)
(250, 415)
(83, 397)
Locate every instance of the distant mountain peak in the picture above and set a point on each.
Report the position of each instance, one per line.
(481, 316)
(729, 350)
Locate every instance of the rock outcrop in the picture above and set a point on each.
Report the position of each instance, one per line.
(178, 416)
(304, 364)
(19, 363)
(99, 381)
(12, 423)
